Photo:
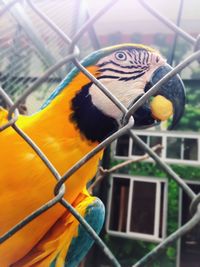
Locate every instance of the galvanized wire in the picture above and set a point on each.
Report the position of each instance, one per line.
(128, 122)
(8, 6)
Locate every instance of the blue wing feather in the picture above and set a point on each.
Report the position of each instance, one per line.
(80, 245)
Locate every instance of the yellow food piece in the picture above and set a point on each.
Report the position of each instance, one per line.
(161, 108)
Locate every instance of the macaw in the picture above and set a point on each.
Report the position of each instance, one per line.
(74, 119)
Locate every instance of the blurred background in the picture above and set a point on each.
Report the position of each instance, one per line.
(143, 205)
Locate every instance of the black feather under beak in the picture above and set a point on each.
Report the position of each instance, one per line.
(173, 90)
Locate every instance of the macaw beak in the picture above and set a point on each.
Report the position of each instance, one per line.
(170, 100)
(173, 91)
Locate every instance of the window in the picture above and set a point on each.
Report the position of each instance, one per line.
(119, 209)
(190, 149)
(182, 148)
(177, 147)
(174, 147)
(149, 140)
(136, 149)
(143, 207)
(137, 207)
(122, 146)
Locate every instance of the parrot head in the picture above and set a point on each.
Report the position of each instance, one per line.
(128, 71)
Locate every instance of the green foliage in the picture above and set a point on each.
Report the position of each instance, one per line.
(129, 251)
(187, 172)
(172, 207)
(182, 47)
(195, 73)
(146, 169)
(193, 93)
(160, 40)
(171, 253)
(190, 120)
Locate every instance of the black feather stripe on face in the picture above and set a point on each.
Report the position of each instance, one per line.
(108, 77)
(120, 71)
(132, 77)
(136, 63)
(132, 66)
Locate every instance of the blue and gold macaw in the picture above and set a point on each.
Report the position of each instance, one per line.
(75, 118)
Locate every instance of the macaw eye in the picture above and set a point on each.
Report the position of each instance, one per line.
(121, 56)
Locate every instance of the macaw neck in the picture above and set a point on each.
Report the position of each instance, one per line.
(73, 112)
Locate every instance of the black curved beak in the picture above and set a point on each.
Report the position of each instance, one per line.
(173, 90)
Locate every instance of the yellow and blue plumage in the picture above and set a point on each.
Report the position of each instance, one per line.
(75, 118)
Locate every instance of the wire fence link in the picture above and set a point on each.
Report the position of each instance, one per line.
(60, 189)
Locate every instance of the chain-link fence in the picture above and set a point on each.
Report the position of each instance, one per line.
(55, 68)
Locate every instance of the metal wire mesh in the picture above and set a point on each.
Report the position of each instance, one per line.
(72, 55)
(26, 52)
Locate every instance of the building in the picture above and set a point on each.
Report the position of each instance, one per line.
(145, 205)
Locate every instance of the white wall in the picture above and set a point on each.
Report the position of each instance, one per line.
(129, 16)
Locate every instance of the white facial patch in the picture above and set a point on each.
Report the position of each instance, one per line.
(125, 74)
(125, 92)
